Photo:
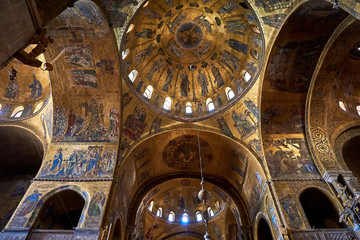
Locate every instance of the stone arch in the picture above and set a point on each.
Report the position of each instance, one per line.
(262, 229)
(324, 114)
(286, 83)
(319, 207)
(22, 152)
(339, 143)
(79, 190)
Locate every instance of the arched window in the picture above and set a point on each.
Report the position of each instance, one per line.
(229, 93)
(185, 218)
(0, 106)
(131, 27)
(342, 105)
(357, 109)
(210, 105)
(125, 53)
(167, 104)
(38, 106)
(188, 108)
(148, 91)
(151, 206)
(198, 216)
(210, 212)
(147, 3)
(246, 76)
(318, 209)
(171, 217)
(17, 112)
(132, 75)
(159, 212)
(61, 211)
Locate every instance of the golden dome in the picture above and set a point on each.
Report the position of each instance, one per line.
(197, 58)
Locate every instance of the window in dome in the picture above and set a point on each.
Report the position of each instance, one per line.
(188, 108)
(167, 104)
(210, 105)
(210, 212)
(131, 27)
(159, 212)
(342, 105)
(357, 109)
(17, 112)
(148, 91)
(218, 206)
(125, 53)
(151, 206)
(198, 216)
(246, 76)
(147, 3)
(185, 218)
(132, 75)
(229, 93)
(171, 217)
(0, 106)
(38, 106)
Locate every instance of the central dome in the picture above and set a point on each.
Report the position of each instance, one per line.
(190, 61)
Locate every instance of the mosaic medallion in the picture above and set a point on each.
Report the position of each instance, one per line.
(182, 153)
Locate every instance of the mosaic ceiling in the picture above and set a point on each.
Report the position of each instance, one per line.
(180, 196)
(198, 58)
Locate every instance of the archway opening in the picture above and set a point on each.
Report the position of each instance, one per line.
(263, 230)
(319, 210)
(61, 211)
(21, 153)
(351, 155)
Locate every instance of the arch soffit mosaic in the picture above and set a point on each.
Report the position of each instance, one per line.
(177, 153)
(321, 118)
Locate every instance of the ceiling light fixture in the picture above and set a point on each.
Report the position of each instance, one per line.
(203, 195)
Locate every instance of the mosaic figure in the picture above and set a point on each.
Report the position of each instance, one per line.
(224, 128)
(97, 204)
(184, 85)
(275, 20)
(235, 26)
(158, 64)
(114, 122)
(244, 126)
(12, 91)
(29, 204)
(202, 80)
(152, 14)
(217, 75)
(141, 56)
(175, 49)
(155, 126)
(59, 121)
(145, 33)
(106, 66)
(228, 7)
(181, 17)
(36, 88)
(135, 124)
(237, 45)
(168, 80)
(230, 61)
